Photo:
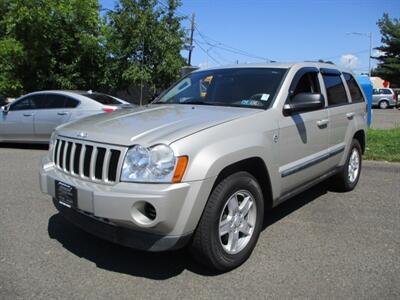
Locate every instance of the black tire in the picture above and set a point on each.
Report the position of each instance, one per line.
(206, 246)
(342, 181)
(383, 104)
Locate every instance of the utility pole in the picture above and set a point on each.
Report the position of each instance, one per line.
(370, 53)
(369, 35)
(191, 41)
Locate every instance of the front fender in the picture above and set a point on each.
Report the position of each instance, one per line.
(224, 148)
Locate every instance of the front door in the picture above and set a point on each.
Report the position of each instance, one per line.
(303, 137)
(17, 123)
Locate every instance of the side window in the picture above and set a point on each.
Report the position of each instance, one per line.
(308, 83)
(23, 104)
(71, 103)
(39, 101)
(55, 101)
(386, 92)
(355, 92)
(375, 92)
(335, 89)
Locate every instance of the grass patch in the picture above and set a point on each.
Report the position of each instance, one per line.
(383, 144)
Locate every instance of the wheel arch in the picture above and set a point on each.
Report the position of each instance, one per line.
(256, 167)
(360, 137)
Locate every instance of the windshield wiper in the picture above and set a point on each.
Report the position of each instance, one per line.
(194, 101)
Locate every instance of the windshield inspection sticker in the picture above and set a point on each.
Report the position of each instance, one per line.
(251, 102)
(264, 97)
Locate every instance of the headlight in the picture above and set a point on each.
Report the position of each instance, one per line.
(154, 164)
(52, 141)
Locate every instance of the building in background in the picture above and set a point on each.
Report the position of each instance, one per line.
(379, 83)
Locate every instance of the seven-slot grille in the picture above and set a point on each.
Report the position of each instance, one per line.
(90, 161)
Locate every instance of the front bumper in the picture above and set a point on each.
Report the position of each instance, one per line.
(109, 211)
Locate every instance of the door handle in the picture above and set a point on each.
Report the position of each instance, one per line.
(62, 113)
(350, 115)
(28, 115)
(322, 123)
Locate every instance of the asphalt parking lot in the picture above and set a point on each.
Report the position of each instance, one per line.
(385, 118)
(320, 244)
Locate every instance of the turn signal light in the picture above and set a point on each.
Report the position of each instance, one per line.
(180, 169)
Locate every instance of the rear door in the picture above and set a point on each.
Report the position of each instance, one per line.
(17, 123)
(303, 137)
(55, 111)
(340, 113)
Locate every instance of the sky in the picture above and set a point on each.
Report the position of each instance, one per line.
(248, 31)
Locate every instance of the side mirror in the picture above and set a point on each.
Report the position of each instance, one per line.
(304, 102)
(5, 109)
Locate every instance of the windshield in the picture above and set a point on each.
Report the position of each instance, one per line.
(245, 87)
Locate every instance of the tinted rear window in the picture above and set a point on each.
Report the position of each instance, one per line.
(355, 92)
(335, 89)
(102, 98)
(71, 103)
(55, 101)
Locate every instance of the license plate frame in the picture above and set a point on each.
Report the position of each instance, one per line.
(66, 194)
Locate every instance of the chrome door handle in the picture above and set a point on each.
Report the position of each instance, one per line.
(62, 113)
(28, 115)
(350, 115)
(322, 123)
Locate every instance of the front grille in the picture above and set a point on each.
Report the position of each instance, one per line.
(94, 162)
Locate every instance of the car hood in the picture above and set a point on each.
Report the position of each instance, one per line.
(151, 124)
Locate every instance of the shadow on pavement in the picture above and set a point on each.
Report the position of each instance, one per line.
(158, 266)
(25, 146)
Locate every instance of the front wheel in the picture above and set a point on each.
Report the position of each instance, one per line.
(231, 223)
(349, 175)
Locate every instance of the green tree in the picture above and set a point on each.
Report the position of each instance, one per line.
(50, 45)
(389, 62)
(144, 39)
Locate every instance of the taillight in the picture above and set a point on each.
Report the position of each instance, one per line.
(394, 97)
(108, 109)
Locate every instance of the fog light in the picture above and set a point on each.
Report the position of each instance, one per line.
(150, 211)
(143, 213)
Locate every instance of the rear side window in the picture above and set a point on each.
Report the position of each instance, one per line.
(71, 103)
(55, 101)
(386, 91)
(39, 101)
(335, 89)
(102, 98)
(355, 92)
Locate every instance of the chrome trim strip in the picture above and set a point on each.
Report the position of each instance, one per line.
(311, 162)
(92, 167)
(72, 159)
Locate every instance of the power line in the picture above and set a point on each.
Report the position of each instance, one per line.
(357, 52)
(206, 52)
(227, 47)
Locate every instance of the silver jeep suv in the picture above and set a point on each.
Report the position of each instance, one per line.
(199, 166)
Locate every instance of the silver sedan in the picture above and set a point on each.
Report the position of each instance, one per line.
(33, 117)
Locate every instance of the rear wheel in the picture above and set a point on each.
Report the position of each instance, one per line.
(231, 223)
(383, 104)
(348, 177)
